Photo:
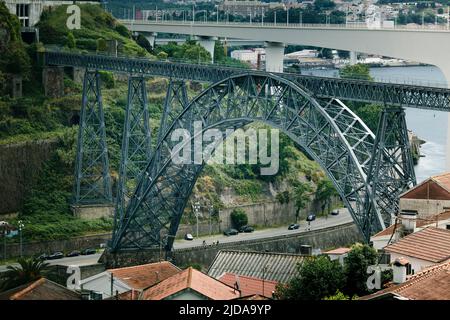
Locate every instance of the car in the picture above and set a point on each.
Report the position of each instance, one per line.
(230, 232)
(311, 217)
(335, 212)
(246, 229)
(88, 251)
(293, 226)
(74, 253)
(43, 257)
(56, 255)
(188, 236)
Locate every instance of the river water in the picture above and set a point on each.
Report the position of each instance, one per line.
(430, 126)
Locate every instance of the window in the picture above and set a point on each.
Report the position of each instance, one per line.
(409, 269)
(22, 12)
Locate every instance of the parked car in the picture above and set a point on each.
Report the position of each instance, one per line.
(246, 229)
(311, 217)
(56, 255)
(230, 232)
(43, 257)
(74, 253)
(335, 212)
(293, 226)
(188, 236)
(88, 251)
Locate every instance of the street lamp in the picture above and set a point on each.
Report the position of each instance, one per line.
(21, 225)
(196, 209)
(211, 210)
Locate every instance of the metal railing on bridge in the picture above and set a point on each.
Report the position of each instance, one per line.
(395, 94)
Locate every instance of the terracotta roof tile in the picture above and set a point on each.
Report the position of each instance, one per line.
(249, 285)
(194, 280)
(430, 244)
(432, 283)
(338, 251)
(42, 289)
(146, 275)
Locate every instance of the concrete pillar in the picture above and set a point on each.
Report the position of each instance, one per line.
(274, 56)
(208, 43)
(353, 58)
(150, 36)
(53, 81)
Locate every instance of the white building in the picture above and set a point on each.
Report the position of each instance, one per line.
(250, 56)
(29, 11)
(421, 249)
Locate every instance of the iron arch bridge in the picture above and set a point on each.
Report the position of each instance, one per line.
(368, 173)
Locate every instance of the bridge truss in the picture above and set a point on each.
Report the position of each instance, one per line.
(153, 190)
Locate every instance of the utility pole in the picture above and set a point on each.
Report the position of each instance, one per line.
(21, 225)
(193, 13)
(287, 16)
(448, 17)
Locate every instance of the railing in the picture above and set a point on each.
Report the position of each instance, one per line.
(281, 25)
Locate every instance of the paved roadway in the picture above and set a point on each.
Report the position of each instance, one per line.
(319, 223)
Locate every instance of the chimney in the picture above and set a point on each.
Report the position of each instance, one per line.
(399, 270)
(408, 219)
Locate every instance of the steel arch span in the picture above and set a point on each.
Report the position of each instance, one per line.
(326, 130)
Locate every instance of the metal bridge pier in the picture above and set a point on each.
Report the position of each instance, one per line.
(92, 179)
(391, 170)
(136, 145)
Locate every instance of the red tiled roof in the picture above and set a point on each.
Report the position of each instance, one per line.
(430, 284)
(427, 189)
(430, 244)
(42, 289)
(338, 251)
(146, 275)
(421, 222)
(249, 285)
(194, 280)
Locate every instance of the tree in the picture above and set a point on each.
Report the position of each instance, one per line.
(358, 259)
(143, 42)
(337, 296)
(238, 218)
(219, 52)
(102, 46)
(28, 271)
(71, 42)
(356, 71)
(318, 277)
(325, 191)
(300, 196)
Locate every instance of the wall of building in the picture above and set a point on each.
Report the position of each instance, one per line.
(416, 264)
(424, 207)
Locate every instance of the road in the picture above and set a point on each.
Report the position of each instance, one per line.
(319, 223)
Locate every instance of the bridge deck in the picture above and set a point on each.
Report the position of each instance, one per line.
(403, 95)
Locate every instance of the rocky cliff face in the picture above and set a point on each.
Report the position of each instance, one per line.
(19, 165)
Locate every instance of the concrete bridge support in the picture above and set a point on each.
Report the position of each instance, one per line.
(274, 56)
(353, 58)
(208, 43)
(150, 36)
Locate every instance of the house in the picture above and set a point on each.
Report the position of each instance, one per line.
(406, 223)
(42, 289)
(279, 267)
(432, 283)
(190, 284)
(421, 249)
(249, 286)
(428, 198)
(338, 254)
(114, 282)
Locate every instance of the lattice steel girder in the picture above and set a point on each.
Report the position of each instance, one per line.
(391, 169)
(92, 179)
(320, 87)
(136, 144)
(328, 131)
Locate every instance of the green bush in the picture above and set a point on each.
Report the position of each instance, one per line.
(238, 218)
(122, 30)
(107, 79)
